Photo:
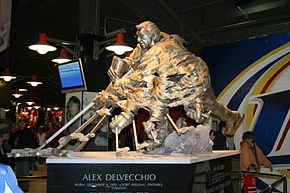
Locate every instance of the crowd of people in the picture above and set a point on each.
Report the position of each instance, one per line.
(22, 136)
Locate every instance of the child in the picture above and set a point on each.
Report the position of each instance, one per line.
(252, 154)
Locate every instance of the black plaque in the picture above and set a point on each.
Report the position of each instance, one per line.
(208, 176)
(119, 178)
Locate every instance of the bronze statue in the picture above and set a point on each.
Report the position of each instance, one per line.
(159, 74)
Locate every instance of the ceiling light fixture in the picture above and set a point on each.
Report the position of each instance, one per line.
(34, 81)
(22, 89)
(42, 47)
(17, 94)
(7, 75)
(119, 47)
(62, 58)
(30, 102)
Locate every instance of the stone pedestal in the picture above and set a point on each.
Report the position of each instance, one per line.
(98, 172)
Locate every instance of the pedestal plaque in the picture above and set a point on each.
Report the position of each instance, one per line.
(103, 172)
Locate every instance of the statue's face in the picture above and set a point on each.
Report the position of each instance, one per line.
(144, 39)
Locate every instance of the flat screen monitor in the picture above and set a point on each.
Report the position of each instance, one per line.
(72, 76)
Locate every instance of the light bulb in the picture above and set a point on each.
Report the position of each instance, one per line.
(42, 48)
(42, 51)
(34, 84)
(61, 60)
(17, 95)
(7, 78)
(30, 103)
(119, 51)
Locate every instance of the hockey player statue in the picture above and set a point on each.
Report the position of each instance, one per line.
(160, 74)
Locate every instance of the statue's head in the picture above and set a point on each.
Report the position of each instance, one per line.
(147, 34)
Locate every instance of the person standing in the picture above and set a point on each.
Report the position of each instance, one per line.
(23, 138)
(252, 154)
(220, 139)
(251, 158)
(212, 134)
(41, 135)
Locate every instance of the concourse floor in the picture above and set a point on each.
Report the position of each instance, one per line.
(38, 186)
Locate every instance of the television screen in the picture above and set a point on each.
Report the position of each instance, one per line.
(71, 76)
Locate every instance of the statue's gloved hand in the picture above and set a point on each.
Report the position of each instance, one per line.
(96, 98)
(118, 68)
(104, 98)
(151, 132)
(121, 121)
(104, 111)
(148, 127)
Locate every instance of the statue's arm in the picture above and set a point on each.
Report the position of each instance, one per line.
(134, 57)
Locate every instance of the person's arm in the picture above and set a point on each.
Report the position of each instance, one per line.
(263, 160)
(134, 57)
(12, 181)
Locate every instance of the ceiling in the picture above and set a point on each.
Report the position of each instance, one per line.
(201, 23)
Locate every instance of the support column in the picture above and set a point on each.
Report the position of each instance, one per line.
(89, 16)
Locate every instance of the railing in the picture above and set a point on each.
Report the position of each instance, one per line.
(31, 178)
(270, 187)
